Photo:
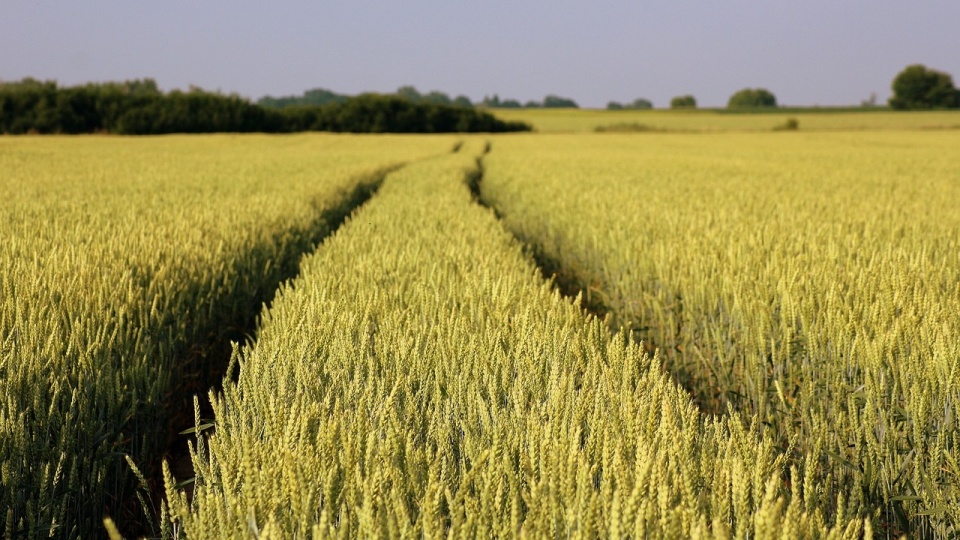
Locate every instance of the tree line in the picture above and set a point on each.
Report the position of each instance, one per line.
(551, 101)
(916, 87)
(322, 96)
(383, 113)
(139, 107)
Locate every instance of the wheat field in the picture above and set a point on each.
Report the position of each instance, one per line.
(120, 257)
(806, 280)
(720, 120)
(420, 379)
(686, 331)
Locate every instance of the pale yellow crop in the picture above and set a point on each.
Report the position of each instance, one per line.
(119, 255)
(811, 280)
(420, 379)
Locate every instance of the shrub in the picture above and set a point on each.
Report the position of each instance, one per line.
(791, 124)
(633, 127)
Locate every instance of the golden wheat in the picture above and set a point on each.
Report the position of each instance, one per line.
(420, 379)
(118, 255)
(810, 280)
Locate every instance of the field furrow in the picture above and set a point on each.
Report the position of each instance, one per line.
(811, 281)
(126, 267)
(420, 379)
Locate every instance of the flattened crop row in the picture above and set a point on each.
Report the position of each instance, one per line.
(420, 379)
(123, 264)
(812, 281)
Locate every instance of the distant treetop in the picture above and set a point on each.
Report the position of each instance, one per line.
(435, 97)
(557, 102)
(322, 96)
(316, 96)
(639, 103)
(752, 98)
(683, 102)
(551, 101)
(919, 87)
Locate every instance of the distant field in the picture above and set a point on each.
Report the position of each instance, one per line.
(559, 120)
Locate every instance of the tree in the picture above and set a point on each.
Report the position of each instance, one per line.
(557, 102)
(639, 103)
(315, 96)
(918, 87)
(683, 102)
(409, 92)
(752, 98)
(495, 103)
(437, 97)
(492, 102)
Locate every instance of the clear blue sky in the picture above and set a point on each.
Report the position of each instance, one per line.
(827, 52)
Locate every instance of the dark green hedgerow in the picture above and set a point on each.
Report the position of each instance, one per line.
(141, 108)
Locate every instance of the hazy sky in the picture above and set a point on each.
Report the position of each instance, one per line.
(826, 52)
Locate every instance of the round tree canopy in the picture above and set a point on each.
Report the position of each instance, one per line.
(918, 87)
(752, 98)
